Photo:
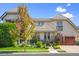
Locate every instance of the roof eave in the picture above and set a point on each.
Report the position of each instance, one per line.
(5, 13)
(72, 24)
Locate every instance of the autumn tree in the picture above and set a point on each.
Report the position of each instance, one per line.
(26, 23)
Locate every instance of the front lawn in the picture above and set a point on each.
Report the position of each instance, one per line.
(21, 49)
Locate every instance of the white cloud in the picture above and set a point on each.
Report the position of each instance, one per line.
(50, 17)
(60, 9)
(68, 15)
(68, 4)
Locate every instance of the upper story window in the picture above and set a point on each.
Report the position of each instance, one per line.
(39, 24)
(59, 26)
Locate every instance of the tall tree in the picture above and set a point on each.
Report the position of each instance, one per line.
(26, 23)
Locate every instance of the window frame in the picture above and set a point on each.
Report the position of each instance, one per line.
(59, 25)
(39, 23)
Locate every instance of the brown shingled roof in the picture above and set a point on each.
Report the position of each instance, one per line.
(14, 10)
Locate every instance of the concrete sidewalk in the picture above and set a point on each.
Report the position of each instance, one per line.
(52, 50)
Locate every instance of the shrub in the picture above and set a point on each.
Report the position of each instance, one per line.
(45, 46)
(39, 44)
(56, 46)
(33, 40)
(28, 45)
(77, 42)
(34, 46)
(6, 39)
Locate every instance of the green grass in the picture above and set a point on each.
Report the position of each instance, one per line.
(21, 49)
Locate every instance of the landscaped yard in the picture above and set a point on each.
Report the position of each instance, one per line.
(21, 49)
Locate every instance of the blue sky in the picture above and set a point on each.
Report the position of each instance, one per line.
(47, 10)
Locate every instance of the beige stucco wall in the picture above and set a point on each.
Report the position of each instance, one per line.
(68, 29)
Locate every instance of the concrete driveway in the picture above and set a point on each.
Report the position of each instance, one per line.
(70, 48)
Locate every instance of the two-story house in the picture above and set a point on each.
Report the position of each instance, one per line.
(46, 28)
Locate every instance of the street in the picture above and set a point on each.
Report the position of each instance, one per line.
(41, 54)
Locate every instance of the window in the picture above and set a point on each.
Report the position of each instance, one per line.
(59, 26)
(39, 23)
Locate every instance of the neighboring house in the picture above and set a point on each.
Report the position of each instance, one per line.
(47, 28)
(77, 34)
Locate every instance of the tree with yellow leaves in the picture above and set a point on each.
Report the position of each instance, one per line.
(26, 23)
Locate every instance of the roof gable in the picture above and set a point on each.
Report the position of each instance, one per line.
(59, 16)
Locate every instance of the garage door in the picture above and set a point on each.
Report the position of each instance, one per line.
(69, 41)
